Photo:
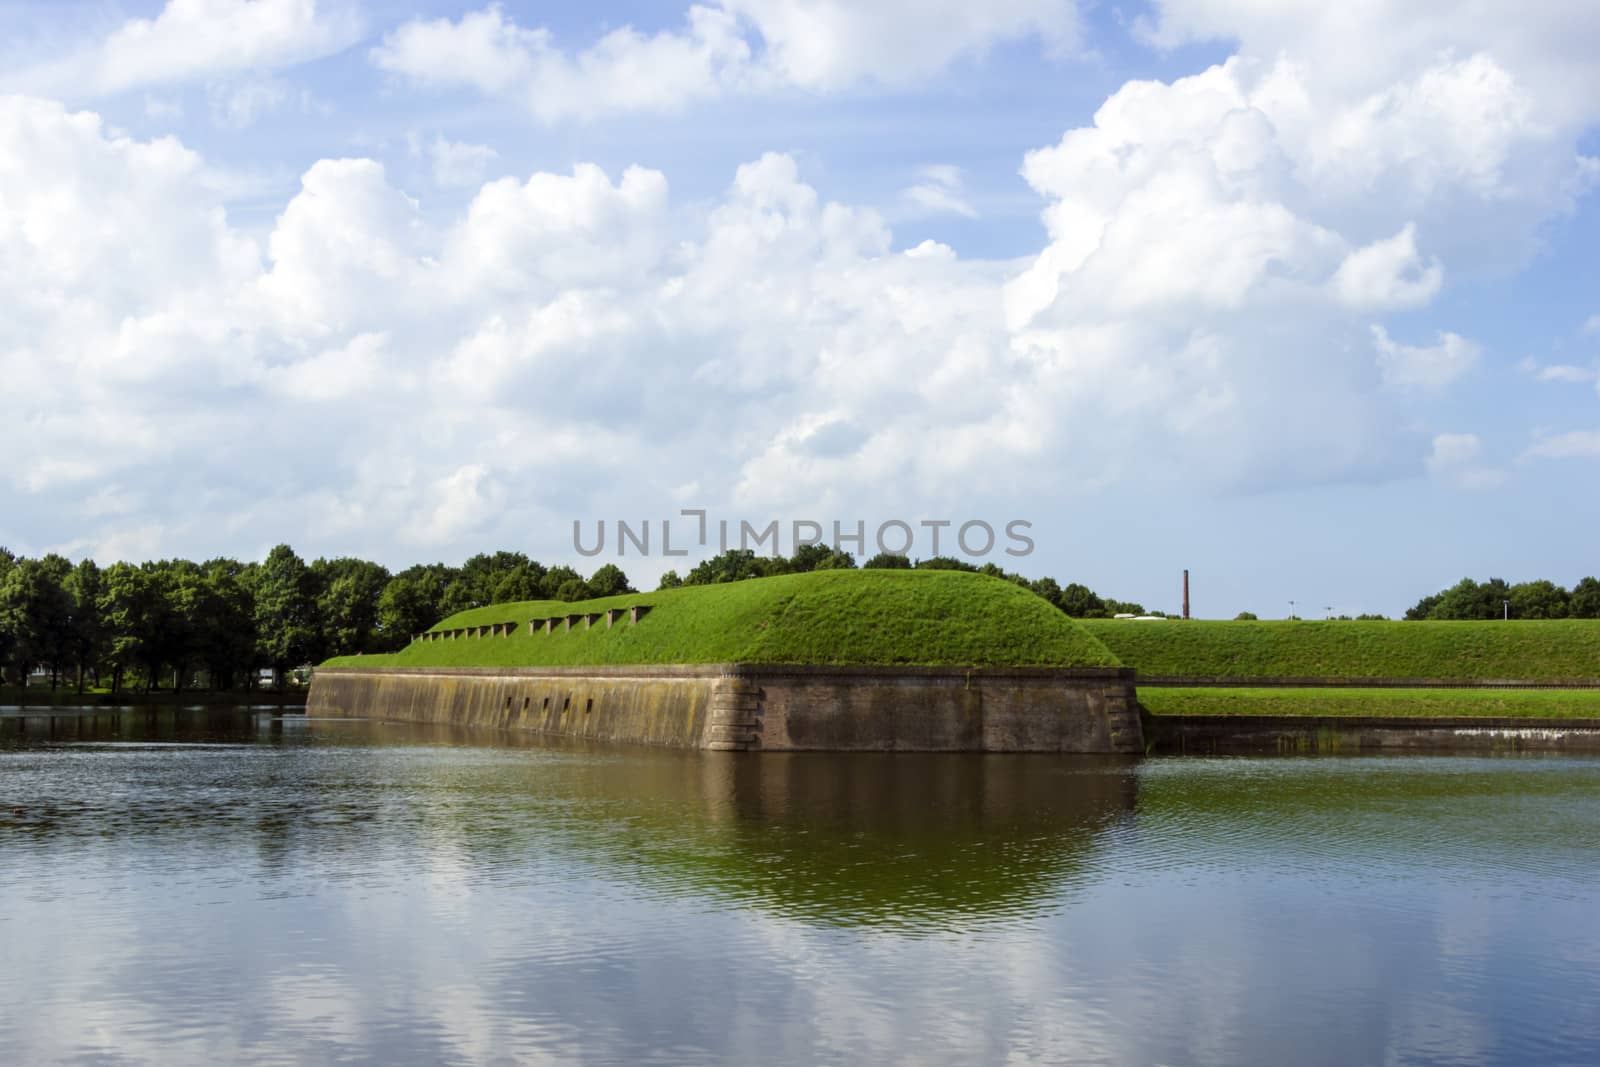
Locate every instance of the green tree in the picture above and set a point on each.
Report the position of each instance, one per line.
(411, 602)
(1538, 600)
(670, 580)
(35, 613)
(284, 610)
(226, 614)
(1584, 601)
(554, 578)
(347, 592)
(1245, 616)
(128, 607)
(819, 557)
(574, 589)
(89, 638)
(610, 581)
(887, 561)
(1047, 589)
(1081, 602)
(734, 565)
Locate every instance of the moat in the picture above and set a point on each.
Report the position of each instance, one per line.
(201, 887)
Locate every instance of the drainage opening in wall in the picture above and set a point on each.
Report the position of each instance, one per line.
(508, 704)
(525, 701)
(588, 705)
(546, 703)
(567, 703)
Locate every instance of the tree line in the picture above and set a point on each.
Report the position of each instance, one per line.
(168, 622)
(1498, 599)
(1074, 598)
(139, 625)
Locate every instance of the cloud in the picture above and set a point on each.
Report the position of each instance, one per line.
(1388, 274)
(458, 165)
(1562, 372)
(1592, 324)
(1424, 366)
(1205, 309)
(1454, 459)
(1576, 444)
(939, 192)
(239, 105)
(732, 46)
(192, 40)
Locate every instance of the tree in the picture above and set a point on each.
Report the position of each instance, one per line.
(944, 563)
(1245, 616)
(734, 565)
(410, 603)
(609, 581)
(1047, 589)
(819, 557)
(284, 611)
(554, 578)
(347, 597)
(227, 641)
(670, 580)
(1081, 602)
(128, 608)
(1584, 600)
(89, 638)
(574, 589)
(887, 561)
(35, 610)
(1538, 600)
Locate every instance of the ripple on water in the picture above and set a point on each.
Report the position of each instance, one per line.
(354, 891)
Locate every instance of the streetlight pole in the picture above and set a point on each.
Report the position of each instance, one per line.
(1506, 605)
(1291, 611)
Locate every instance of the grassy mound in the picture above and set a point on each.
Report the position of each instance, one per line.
(1556, 650)
(1385, 703)
(932, 618)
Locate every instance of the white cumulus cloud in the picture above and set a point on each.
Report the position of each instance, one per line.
(731, 46)
(192, 40)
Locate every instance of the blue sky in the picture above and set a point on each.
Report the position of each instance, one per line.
(1302, 299)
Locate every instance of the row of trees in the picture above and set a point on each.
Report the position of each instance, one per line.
(1496, 599)
(1075, 599)
(141, 624)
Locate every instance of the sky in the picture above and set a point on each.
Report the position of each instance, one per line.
(1302, 297)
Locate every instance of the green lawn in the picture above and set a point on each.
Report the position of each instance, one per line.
(1557, 650)
(947, 618)
(1391, 703)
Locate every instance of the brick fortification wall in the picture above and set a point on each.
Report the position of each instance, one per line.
(774, 708)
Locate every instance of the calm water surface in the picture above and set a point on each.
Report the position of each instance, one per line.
(205, 887)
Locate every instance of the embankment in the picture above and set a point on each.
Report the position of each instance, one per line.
(1562, 653)
(782, 707)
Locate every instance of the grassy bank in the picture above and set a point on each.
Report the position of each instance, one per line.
(1556, 650)
(38, 696)
(1391, 703)
(933, 618)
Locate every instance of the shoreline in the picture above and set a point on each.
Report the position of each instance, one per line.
(68, 697)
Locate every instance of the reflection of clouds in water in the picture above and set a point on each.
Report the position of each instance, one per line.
(418, 902)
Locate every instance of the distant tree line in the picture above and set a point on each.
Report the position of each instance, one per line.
(1496, 599)
(1075, 599)
(140, 625)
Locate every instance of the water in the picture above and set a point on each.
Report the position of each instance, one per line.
(190, 887)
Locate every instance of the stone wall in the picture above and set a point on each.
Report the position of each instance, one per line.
(1254, 734)
(747, 707)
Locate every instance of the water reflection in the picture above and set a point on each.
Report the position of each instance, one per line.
(204, 886)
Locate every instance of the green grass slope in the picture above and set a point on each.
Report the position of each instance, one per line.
(1378, 703)
(931, 618)
(1556, 650)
